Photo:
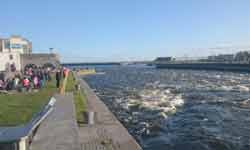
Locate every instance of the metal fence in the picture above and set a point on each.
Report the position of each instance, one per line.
(19, 137)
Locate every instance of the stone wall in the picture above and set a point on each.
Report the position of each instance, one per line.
(39, 60)
(1, 45)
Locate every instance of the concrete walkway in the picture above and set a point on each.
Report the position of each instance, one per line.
(59, 131)
(107, 133)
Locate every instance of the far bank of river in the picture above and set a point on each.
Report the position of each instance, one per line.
(236, 67)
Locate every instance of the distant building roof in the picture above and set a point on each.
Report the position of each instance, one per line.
(18, 36)
(163, 59)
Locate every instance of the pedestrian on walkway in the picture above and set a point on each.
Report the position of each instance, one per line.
(58, 78)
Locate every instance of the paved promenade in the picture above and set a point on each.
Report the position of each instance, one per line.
(107, 133)
(59, 130)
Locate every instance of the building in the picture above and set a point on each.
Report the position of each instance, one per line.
(10, 60)
(16, 54)
(222, 58)
(163, 59)
(10, 51)
(16, 44)
(242, 57)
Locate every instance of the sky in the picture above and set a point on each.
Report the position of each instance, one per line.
(122, 30)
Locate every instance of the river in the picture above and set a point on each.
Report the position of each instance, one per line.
(167, 109)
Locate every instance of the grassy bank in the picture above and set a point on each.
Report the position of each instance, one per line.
(19, 108)
(79, 98)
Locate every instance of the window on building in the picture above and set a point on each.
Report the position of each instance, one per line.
(6, 44)
(16, 46)
(25, 49)
(7, 66)
(11, 57)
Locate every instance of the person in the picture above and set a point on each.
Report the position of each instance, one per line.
(64, 71)
(16, 81)
(42, 78)
(9, 85)
(1, 84)
(13, 67)
(2, 76)
(30, 72)
(35, 82)
(48, 74)
(58, 78)
(26, 83)
(45, 75)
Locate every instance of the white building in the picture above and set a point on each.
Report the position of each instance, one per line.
(16, 44)
(8, 59)
(10, 51)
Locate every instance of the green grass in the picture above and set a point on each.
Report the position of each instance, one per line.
(80, 106)
(79, 98)
(19, 108)
(70, 85)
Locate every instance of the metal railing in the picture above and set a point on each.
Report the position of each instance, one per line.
(18, 137)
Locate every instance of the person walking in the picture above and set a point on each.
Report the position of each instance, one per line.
(58, 78)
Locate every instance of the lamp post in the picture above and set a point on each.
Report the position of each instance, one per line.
(51, 50)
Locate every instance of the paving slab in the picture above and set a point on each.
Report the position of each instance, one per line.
(59, 131)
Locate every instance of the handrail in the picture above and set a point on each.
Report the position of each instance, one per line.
(9, 134)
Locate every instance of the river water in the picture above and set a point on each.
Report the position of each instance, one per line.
(178, 109)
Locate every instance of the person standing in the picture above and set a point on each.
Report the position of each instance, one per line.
(35, 82)
(48, 74)
(1, 84)
(26, 83)
(58, 78)
(16, 81)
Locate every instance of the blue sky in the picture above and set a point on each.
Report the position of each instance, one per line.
(115, 30)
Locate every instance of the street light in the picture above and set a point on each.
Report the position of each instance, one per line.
(51, 50)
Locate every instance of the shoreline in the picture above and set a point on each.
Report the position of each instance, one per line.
(205, 66)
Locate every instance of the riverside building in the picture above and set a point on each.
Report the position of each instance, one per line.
(11, 50)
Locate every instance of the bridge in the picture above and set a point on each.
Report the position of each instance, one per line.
(91, 64)
(106, 63)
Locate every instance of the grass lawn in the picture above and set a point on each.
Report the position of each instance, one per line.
(79, 98)
(19, 108)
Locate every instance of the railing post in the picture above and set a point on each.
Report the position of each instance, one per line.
(91, 118)
(23, 144)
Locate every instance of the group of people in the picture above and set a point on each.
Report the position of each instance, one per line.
(26, 81)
